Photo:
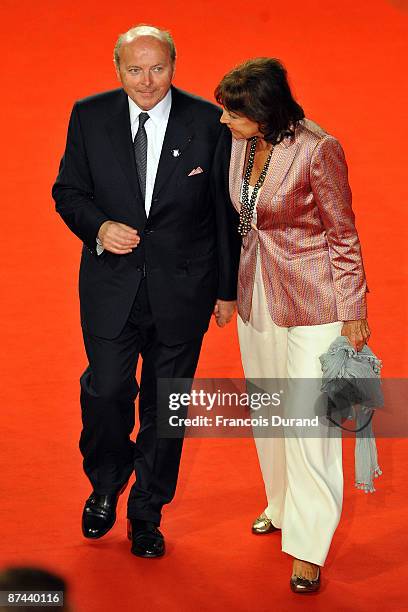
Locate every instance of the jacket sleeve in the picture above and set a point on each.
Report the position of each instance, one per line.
(228, 239)
(73, 190)
(331, 190)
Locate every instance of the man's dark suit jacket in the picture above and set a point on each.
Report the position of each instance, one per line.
(189, 245)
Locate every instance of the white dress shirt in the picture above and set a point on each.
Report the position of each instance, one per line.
(155, 128)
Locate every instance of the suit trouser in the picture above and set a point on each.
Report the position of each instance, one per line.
(108, 393)
(303, 476)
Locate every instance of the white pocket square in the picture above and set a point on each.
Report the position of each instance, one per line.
(198, 170)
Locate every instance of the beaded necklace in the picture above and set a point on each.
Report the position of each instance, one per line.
(248, 205)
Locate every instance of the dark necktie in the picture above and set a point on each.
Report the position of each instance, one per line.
(140, 146)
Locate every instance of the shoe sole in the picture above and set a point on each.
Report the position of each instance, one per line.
(147, 556)
(304, 592)
(261, 533)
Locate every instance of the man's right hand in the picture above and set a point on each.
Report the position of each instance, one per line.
(118, 238)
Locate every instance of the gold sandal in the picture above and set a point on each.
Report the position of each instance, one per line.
(262, 525)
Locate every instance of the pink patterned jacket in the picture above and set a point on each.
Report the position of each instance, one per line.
(309, 248)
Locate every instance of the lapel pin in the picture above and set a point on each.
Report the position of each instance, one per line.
(175, 152)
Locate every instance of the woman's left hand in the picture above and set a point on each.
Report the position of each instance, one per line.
(357, 333)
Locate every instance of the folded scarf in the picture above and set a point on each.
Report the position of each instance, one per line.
(352, 382)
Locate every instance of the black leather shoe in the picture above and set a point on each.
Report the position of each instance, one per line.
(99, 514)
(147, 540)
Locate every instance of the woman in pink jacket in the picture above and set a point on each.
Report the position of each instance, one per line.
(301, 284)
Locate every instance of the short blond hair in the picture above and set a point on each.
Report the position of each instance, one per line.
(144, 30)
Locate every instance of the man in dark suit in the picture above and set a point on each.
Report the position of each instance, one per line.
(144, 184)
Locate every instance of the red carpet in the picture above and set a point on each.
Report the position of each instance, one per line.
(347, 61)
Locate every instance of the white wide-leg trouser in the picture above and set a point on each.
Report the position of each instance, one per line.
(303, 476)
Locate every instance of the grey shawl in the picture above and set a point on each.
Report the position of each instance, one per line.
(351, 380)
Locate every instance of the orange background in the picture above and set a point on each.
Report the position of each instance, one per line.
(347, 63)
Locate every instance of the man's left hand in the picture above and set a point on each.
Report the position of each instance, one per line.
(223, 312)
(357, 333)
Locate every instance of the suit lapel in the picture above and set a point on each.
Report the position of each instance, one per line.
(120, 134)
(281, 161)
(179, 134)
(238, 151)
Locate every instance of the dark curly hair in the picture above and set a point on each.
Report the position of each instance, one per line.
(259, 90)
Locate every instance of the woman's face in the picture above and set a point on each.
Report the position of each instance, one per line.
(240, 126)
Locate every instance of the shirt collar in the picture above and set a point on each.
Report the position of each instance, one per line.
(158, 114)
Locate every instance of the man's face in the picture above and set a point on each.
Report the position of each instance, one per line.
(145, 70)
